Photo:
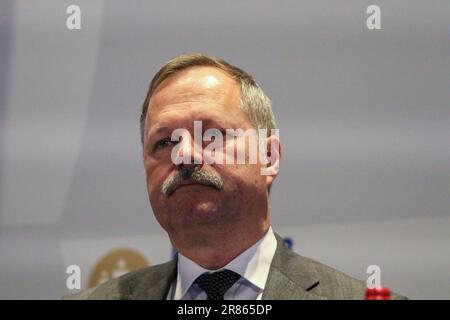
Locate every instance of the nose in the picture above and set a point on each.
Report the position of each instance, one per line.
(190, 152)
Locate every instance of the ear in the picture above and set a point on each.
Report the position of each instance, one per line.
(273, 153)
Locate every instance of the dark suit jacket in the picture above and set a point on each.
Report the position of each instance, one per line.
(291, 277)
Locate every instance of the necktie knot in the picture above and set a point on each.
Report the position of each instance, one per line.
(217, 283)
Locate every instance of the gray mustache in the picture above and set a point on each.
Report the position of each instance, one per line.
(194, 174)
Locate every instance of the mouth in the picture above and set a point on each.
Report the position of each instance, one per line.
(189, 184)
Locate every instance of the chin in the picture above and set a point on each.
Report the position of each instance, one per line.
(206, 207)
(195, 205)
(199, 212)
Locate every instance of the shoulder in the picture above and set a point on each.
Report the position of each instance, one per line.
(131, 285)
(319, 279)
(331, 283)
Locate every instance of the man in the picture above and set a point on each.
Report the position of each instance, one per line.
(216, 213)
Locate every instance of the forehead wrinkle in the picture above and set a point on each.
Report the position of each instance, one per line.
(164, 100)
(169, 117)
(175, 114)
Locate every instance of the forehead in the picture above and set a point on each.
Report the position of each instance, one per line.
(205, 88)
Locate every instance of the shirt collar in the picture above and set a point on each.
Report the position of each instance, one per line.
(253, 264)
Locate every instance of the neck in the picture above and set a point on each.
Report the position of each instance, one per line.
(218, 247)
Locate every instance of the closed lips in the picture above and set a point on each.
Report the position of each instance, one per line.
(190, 184)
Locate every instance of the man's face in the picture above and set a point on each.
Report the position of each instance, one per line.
(238, 195)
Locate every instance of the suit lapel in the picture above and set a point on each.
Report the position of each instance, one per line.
(280, 287)
(152, 285)
(289, 278)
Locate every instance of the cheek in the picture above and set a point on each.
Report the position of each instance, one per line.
(155, 175)
(239, 177)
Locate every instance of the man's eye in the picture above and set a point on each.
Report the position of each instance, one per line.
(161, 144)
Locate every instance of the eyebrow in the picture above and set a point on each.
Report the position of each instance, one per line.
(157, 129)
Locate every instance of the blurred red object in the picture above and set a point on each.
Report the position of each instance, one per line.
(379, 293)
